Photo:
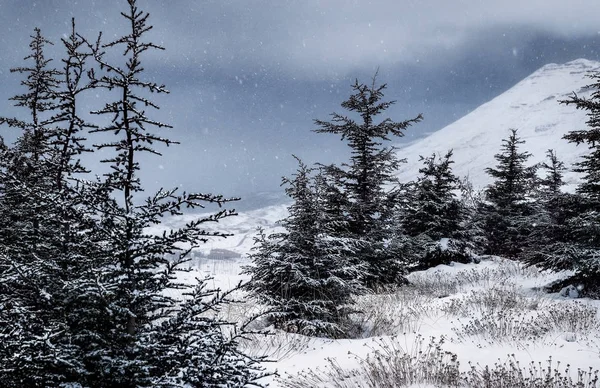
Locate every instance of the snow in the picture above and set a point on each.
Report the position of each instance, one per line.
(569, 291)
(444, 288)
(443, 243)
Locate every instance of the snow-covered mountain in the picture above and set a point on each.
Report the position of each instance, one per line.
(531, 106)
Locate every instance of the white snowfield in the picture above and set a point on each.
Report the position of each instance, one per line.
(486, 313)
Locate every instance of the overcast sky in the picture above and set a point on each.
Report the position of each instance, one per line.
(247, 77)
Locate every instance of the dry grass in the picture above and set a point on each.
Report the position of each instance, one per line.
(389, 365)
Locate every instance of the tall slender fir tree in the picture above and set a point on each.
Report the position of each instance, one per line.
(507, 206)
(368, 179)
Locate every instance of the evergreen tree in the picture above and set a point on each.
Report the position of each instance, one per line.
(552, 183)
(585, 225)
(34, 347)
(139, 267)
(433, 216)
(589, 166)
(26, 164)
(368, 177)
(550, 244)
(507, 206)
(306, 273)
(435, 211)
(84, 295)
(473, 218)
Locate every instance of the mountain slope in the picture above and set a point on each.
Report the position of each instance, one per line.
(531, 106)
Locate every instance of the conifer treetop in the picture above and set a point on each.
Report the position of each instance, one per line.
(366, 101)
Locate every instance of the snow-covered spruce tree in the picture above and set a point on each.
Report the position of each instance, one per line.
(473, 219)
(146, 337)
(550, 244)
(507, 207)
(67, 292)
(49, 257)
(332, 200)
(26, 162)
(434, 215)
(585, 226)
(35, 347)
(307, 274)
(552, 183)
(368, 179)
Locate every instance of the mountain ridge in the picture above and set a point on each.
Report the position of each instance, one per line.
(531, 106)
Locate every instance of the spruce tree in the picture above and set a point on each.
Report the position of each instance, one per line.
(473, 218)
(507, 206)
(585, 225)
(555, 169)
(368, 179)
(35, 346)
(433, 215)
(435, 210)
(589, 166)
(306, 273)
(140, 329)
(84, 287)
(550, 244)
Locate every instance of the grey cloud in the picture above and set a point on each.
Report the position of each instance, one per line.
(312, 38)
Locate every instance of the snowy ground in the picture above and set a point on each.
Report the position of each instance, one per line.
(484, 313)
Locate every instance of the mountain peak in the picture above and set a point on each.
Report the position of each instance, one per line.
(531, 107)
(577, 66)
(582, 62)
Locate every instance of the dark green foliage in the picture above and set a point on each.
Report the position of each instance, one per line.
(207, 354)
(434, 209)
(549, 245)
(552, 183)
(578, 249)
(367, 179)
(589, 166)
(507, 208)
(34, 227)
(307, 273)
(583, 222)
(513, 180)
(433, 215)
(141, 266)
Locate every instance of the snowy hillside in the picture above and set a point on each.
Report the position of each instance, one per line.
(531, 106)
